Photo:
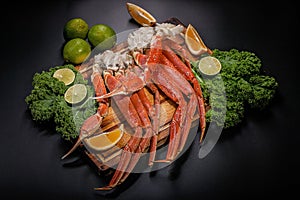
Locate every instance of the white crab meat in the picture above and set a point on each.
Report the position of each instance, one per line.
(140, 38)
(113, 60)
(168, 30)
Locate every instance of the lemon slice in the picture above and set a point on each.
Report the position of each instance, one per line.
(106, 140)
(65, 75)
(194, 41)
(75, 94)
(140, 15)
(209, 65)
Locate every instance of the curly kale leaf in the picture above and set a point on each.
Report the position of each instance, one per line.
(217, 113)
(243, 64)
(42, 110)
(63, 118)
(264, 88)
(42, 98)
(234, 113)
(237, 89)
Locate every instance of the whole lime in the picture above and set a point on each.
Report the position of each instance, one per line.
(76, 28)
(76, 50)
(102, 35)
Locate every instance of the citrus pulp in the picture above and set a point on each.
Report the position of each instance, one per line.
(76, 93)
(65, 75)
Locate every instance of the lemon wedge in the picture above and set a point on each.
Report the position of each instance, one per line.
(209, 65)
(194, 41)
(106, 140)
(65, 75)
(140, 15)
(75, 94)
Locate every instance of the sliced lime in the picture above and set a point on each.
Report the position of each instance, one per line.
(65, 75)
(209, 65)
(76, 93)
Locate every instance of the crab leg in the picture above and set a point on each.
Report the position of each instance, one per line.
(135, 99)
(191, 109)
(189, 115)
(136, 156)
(179, 49)
(154, 115)
(155, 57)
(188, 74)
(173, 84)
(153, 112)
(174, 129)
(138, 143)
(127, 109)
(155, 125)
(138, 104)
(180, 83)
(126, 157)
(92, 123)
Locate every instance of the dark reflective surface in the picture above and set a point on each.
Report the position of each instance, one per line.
(257, 158)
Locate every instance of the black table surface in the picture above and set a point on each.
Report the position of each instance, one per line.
(258, 158)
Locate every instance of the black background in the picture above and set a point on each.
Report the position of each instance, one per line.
(259, 158)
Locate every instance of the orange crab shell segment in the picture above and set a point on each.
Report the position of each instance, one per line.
(140, 15)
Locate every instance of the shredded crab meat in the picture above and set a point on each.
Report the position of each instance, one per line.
(167, 29)
(140, 38)
(113, 60)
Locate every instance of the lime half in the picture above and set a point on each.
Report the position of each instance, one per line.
(209, 65)
(65, 75)
(76, 93)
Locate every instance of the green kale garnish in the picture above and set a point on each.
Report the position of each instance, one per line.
(243, 82)
(47, 104)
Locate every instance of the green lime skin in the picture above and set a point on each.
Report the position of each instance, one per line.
(102, 35)
(76, 28)
(76, 51)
